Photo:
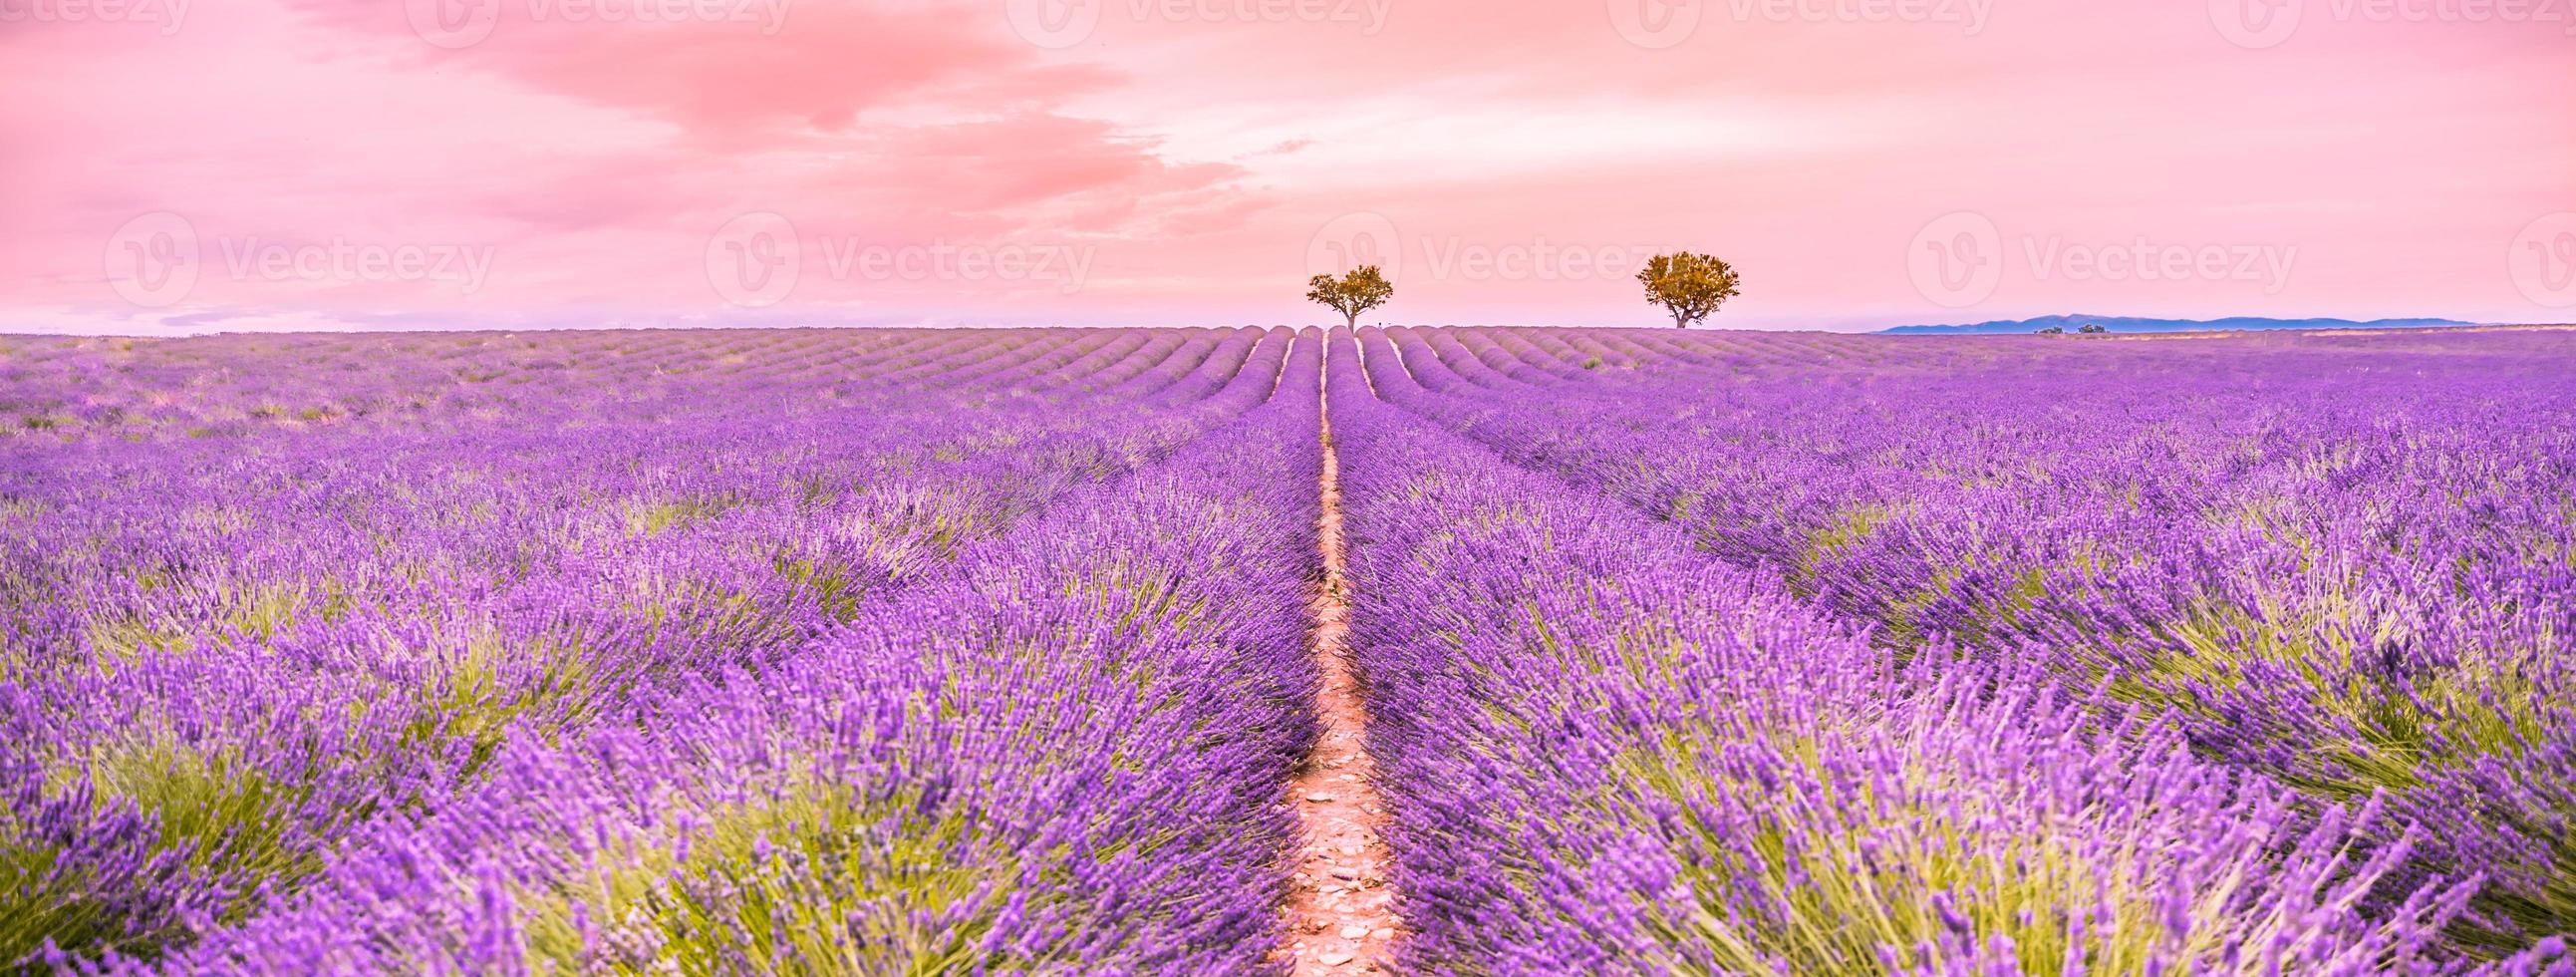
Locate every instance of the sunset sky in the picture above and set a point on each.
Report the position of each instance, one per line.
(169, 166)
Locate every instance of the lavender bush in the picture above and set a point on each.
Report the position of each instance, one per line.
(232, 653)
(934, 651)
(2339, 562)
(1609, 753)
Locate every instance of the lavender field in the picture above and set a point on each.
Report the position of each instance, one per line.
(926, 651)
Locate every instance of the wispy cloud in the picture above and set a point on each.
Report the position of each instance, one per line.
(1200, 157)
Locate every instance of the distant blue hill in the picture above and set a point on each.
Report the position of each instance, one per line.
(2071, 323)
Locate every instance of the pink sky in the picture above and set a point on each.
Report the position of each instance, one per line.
(186, 165)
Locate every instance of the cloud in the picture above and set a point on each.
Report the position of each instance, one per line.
(1195, 151)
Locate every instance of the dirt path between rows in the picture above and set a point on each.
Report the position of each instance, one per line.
(1339, 917)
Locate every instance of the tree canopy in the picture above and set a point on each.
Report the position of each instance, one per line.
(1688, 285)
(1361, 290)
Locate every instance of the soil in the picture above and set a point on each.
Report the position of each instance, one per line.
(1340, 914)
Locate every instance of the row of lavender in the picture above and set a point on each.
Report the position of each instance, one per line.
(1607, 752)
(929, 651)
(670, 657)
(2377, 522)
